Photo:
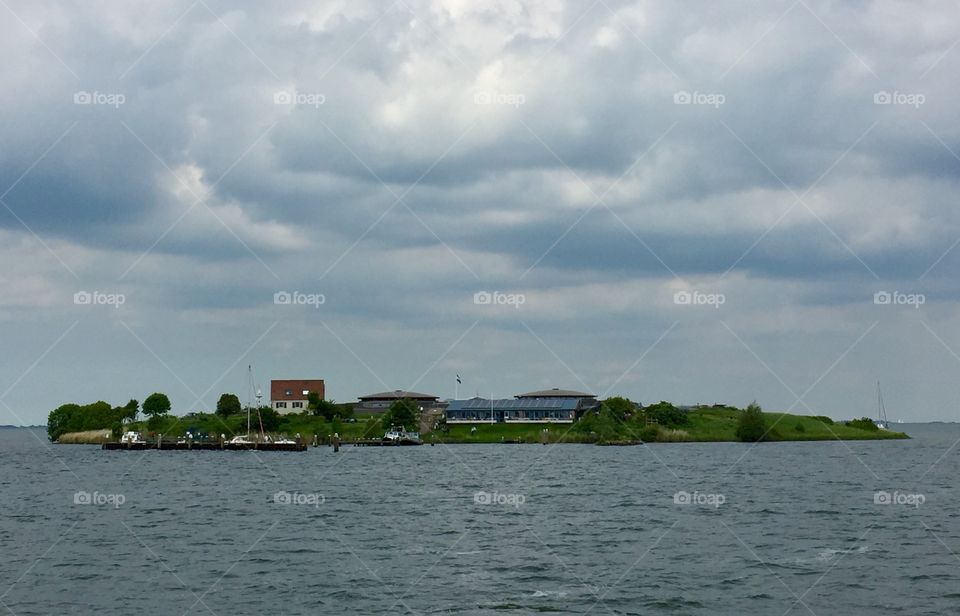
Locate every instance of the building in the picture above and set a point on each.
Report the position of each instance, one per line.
(558, 393)
(291, 396)
(548, 406)
(381, 401)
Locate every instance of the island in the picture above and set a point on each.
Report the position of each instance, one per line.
(614, 421)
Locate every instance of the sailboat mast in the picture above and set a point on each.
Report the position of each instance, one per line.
(249, 393)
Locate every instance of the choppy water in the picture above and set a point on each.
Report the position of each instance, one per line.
(572, 529)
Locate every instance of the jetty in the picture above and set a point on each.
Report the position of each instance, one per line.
(204, 446)
(376, 442)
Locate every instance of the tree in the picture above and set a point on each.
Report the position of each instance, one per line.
(403, 412)
(325, 409)
(156, 404)
(752, 427)
(622, 408)
(667, 415)
(268, 418)
(228, 404)
(79, 418)
(62, 420)
(130, 410)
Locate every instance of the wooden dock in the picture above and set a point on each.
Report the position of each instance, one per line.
(376, 442)
(204, 446)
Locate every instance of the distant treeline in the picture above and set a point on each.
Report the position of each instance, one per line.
(97, 416)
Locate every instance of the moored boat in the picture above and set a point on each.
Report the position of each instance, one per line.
(398, 435)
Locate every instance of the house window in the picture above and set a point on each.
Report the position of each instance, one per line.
(281, 405)
(306, 392)
(298, 405)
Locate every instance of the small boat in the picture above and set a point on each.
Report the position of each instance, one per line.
(132, 438)
(400, 436)
(240, 439)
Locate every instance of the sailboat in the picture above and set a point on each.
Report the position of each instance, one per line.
(246, 439)
(881, 420)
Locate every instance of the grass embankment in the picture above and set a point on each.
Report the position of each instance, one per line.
(657, 423)
(703, 424)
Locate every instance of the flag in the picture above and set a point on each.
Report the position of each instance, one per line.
(458, 380)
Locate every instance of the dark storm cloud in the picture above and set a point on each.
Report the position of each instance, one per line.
(500, 124)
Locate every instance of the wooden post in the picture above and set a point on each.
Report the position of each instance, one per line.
(159, 436)
(336, 442)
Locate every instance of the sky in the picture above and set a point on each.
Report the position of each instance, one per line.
(685, 201)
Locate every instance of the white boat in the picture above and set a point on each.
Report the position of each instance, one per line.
(241, 439)
(399, 435)
(132, 438)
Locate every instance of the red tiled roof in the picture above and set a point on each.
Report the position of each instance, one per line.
(293, 389)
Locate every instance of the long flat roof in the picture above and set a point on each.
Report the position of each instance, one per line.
(514, 404)
(556, 393)
(398, 394)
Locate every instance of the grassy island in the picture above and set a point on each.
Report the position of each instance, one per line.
(617, 421)
(664, 423)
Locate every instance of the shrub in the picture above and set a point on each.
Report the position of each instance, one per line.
(864, 423)
(649, 434)
(799, 427)
(667, 415)
(824, 419)
(751, 427)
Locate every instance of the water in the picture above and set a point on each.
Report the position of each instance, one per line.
(572, 529)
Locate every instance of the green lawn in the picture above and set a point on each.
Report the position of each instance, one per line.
(705, 424)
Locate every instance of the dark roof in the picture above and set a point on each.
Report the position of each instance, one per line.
(511, 404)
(556, 393)
(296, 387)
(397, 394)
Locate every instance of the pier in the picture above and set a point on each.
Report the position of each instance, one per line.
(205, 446)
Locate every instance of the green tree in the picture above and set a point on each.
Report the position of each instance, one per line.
(621, 408)
(269, 418)
(130, 410)
(323, 408)
(751, 427)
(156, 404)
(667, 415)
(61, 420)
(227, 405)
(403, 412)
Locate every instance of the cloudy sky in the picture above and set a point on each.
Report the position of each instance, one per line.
(662, 200)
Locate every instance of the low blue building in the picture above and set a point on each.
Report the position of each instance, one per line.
(548, 406)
